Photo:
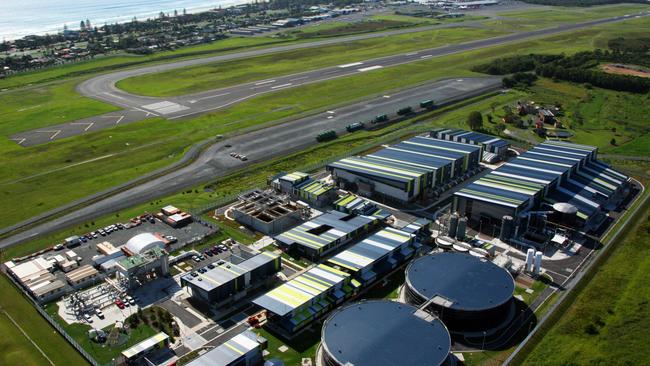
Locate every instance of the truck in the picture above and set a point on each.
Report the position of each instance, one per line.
(428, 104)
(380, 118)
(356, 126)
(326, 136)
(405, 111)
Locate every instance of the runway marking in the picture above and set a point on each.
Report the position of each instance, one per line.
(119, 120)
(148, 113)
(331, 112)
(89, 124)
(210, 96)
(115, 96)
(281, 86)
(300, 78)
(386, 96)
(265, 82)
(20, 141)
(411, 54)
(370, 68)
(350, 65)
(56, 133)
(426, 56)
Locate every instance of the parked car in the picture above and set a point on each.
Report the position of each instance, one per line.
(208, 252)
(88, 318)
(196, 258)
(130, 300)
(58, 247)
(119, 303)
(99, 313)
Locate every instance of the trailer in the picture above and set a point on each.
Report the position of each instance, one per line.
(381, 118)
(428, 104)
(356, 126)
(405, 111)
(326, 136)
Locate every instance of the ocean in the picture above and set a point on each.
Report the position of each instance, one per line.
(19, 18)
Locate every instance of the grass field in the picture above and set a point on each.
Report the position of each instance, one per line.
(222, 74)
(607, 323)
(16, 349)
(164, 141)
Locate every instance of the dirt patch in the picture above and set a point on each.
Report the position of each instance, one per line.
(626, 70)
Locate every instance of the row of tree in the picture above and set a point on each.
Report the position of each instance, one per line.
(582, 67)
(582, 2)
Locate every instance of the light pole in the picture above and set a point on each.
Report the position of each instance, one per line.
(483, 345)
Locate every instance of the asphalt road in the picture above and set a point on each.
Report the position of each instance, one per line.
(137, 107)
(261, 145)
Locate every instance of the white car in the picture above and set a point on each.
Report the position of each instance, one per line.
(99, 313)
(88, 318)
(130, 300)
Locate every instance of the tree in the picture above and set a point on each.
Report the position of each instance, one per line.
(82, 26)
(494, 105)
(475, 120)
(612, 142)
(490, 118)
(500, 127)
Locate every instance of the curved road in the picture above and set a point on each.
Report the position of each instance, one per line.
(137, 107)
(277, 140)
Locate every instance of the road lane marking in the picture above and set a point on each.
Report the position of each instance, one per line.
(370, 68)
(88, 124)
(411, 54)
(426, 56)
(351, 65)
(300, 78)
(265, 82)
(281, 86)
(211, 96)
(56, 133)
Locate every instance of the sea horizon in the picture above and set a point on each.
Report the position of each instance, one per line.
(40, 17)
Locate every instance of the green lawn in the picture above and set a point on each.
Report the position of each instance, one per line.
(222, 74)
(608, 321)
(156, 143)
(335, 29)
(303, 346)
(18, 350)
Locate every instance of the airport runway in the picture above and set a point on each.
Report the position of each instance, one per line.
(138, 107)
(261, 145)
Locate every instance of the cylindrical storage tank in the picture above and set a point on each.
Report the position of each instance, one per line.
(461, 229)
(530, 257)
(468, 293)
(453, 225)
(460, 248)
(565, 214)
(538, 263)
(445, 242)
(383, 333)
(507, 228)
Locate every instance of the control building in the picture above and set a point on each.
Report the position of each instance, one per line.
(144, 267)
(324, 233)
(218, 284)
(384, 333)
(302, 187)
(296, 303)
(266, 212)
(468, 293)
(376, 255)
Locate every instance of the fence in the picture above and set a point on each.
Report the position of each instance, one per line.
(53, 322)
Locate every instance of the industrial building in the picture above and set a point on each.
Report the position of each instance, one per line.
(408, 170)
(144, 267)
(144, 242)
(302, 187)
(376, 255)
(244, 349)
(549, 173)
(82, 276)
(226, 281)
(36, 277)
(493, 148)
(324, 233)
(267, 212)
(468, 293)
(352, 204)
(296, 303)
(384, 333)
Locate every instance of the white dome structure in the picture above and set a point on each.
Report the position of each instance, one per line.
(143, 242)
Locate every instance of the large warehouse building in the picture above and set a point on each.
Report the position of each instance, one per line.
(549, 173)
(324, 233)
(468, 293)
(220, 284)
(295, 304)
(383, 333)
(408, 170)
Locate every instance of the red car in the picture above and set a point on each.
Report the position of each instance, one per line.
(119, 303)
